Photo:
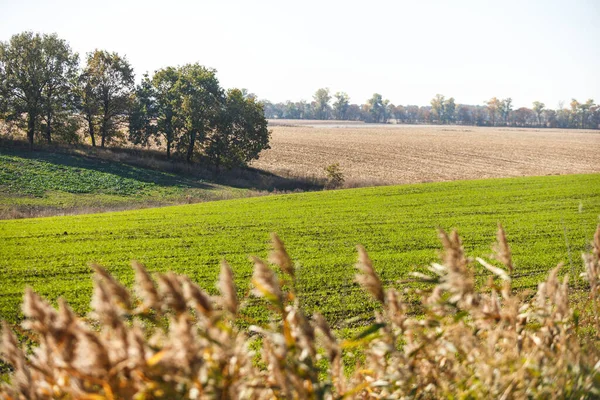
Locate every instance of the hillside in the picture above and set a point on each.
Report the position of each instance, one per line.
(548, 220)
(57, 181)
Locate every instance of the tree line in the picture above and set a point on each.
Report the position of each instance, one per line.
(45, 92)
(442, 110)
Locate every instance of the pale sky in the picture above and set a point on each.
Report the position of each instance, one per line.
(408, 51)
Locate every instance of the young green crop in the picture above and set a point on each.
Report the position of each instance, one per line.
(42, 183)
(548, 220)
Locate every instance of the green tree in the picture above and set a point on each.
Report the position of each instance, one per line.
(584, 109)
(443, 109)
(538, 109)
(143, 113)
(201, 102)
(449, 110)
(57, 95)
(37, 72)
(505, 109)
(87, 102)
(437, 107)
(108, 80)
(321, 103)
(241, 133)
(168, 105)
(376, 108)
(493, 106)
(341, 105)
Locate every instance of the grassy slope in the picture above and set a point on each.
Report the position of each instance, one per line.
(34, 182)
(396, 225)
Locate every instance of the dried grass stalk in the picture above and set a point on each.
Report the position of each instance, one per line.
(469, 342)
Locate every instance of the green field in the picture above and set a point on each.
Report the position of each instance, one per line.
(397, 225)
(34, 183)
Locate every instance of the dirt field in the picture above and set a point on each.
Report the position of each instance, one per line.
(394, 154)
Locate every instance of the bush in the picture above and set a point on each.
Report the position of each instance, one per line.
(172, 340)
(334, 175)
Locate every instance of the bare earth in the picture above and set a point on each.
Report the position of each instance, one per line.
(395, 154)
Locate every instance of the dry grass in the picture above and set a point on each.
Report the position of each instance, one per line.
(172, 340)
(398, 154)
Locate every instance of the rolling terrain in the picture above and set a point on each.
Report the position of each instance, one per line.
(548, 220)
(47, 182)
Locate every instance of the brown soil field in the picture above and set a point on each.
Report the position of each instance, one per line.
(396, 154)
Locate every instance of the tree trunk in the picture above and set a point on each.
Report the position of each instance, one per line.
(104, 128)
(49, 127)
(168, 136)
(92, 135)
(190, 150)
(30, 128)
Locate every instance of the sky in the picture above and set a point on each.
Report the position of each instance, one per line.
(408, 51)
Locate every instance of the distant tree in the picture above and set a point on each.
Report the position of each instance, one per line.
(449, 110)
(354, 112)
(437, 107)
(388, 110)
(424, 115)
(464, 114)
(493, 106)
(321, 103)
(201, 102)
(111, 82)
(524, 116)
(584, 111)
(412, 113)
(575, 112)
(595, 116)
(505, 109)
(551, 117)
(376, 108)
(538, 109)
(399, 114)
(340, 105)
(36, 74)
(241, 132)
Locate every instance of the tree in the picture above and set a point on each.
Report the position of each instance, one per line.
(505, 109)
(443, 109)
(108, 78)
(201, 102)
(399, 114)
(61, 76)
(37, 72)
(377, 108)
(321, 103)
(584, 108)
(168, 104)
(437, 107)
(341, 105)
(524, 116)
(87, 102)
(493, 105)
(143, 113)
(538, 109)
(241, 133)
(449, 110)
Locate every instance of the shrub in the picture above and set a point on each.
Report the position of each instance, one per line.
(334, 176)
(172, 340)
